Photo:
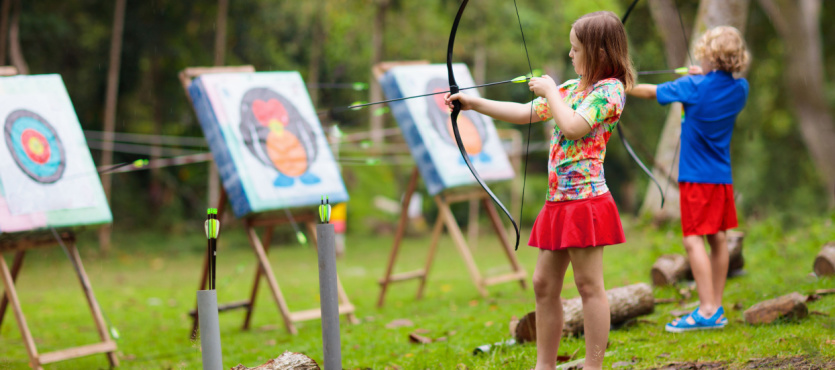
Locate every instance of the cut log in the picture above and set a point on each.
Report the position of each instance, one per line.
(526, 329)
(789, 306)
(825, 261)
(625, 303)
(671, 268)
(287, 361)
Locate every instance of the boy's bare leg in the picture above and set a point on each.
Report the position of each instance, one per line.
(547, 285)
(719, 264)
(700, 264)
(588, 276)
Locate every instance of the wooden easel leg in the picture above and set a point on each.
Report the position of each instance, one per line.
(204, 279)
(461, 244)
(433, 246)
(493, 215)
(18, 262)
(343, 297)
(11, 294)
(472, 224)
(268, 237)
(91, 301)
(398, 236)
(268, 272)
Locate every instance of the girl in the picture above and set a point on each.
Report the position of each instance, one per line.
(712, 102)
(579, 216)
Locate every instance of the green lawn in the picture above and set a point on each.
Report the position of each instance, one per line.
(148, 284)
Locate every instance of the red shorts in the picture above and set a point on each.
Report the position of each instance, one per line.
(706, 208)
(582, 223)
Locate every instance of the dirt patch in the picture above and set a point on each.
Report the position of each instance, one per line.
(798, 363)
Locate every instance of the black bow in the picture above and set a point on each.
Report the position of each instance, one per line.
(453, 89)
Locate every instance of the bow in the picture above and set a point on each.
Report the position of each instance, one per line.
(453, 89)
(620, 130)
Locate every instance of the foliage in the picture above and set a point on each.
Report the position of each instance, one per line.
(772, 169)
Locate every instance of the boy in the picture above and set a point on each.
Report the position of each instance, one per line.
(711, 104)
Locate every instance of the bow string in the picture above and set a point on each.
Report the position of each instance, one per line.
(456, 110)
(623, 139)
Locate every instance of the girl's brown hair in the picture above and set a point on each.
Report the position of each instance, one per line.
(724, 49)
(606, 52)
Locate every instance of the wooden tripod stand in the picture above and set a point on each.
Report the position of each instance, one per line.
(446, 219)
(36, 360)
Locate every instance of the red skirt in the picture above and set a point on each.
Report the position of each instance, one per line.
(582, 223)
(706, 209)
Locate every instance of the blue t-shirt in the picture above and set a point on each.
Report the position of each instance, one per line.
(711, 103)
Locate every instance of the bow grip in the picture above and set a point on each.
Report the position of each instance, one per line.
(456, 104)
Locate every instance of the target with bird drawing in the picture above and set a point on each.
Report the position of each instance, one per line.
(427, 127)
(35, 146)
(275, 133)
(267, 140)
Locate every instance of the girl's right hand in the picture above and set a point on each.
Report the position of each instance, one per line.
(465, 100)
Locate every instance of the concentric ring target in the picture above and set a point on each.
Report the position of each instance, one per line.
(35, 146)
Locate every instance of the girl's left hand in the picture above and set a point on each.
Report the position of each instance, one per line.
(542, 86)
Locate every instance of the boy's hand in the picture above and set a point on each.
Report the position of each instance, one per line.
(543, 86)
(465, 100)
(695, 70)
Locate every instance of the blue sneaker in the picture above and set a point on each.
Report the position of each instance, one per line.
(695, 321)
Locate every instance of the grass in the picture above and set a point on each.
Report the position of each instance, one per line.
(147, 285)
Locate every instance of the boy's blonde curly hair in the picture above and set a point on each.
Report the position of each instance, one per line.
(724, 49)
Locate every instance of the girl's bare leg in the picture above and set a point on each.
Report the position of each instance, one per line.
(588, 275)
(547, 285)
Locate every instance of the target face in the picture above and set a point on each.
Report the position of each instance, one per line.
(35, 146)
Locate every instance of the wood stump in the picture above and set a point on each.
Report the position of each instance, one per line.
(287, 361)
(825, 261)
(671, 268)
(790, 306)
(624, 303)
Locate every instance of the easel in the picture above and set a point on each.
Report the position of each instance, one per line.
(261, 246)
(446, 219)
(19, 247)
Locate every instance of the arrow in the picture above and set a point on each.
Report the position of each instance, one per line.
(517, 80)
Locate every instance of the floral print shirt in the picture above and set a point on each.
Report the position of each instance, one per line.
(575, 167)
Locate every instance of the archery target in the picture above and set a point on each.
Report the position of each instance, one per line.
(427, 128)
(267, 141)
(47, 175)
(35, 146)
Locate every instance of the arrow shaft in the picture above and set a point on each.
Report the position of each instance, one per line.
(430, 94)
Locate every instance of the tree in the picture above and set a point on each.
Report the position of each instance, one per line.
(712, 13)
(798, 24)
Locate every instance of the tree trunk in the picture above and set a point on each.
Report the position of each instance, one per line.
(220, 57)
(825, 261)
(798, 24)
(4, 30)
(711, 13)
(317, 47)
(375, 91)
(671, 268)
(15, 51)
(110, 110)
